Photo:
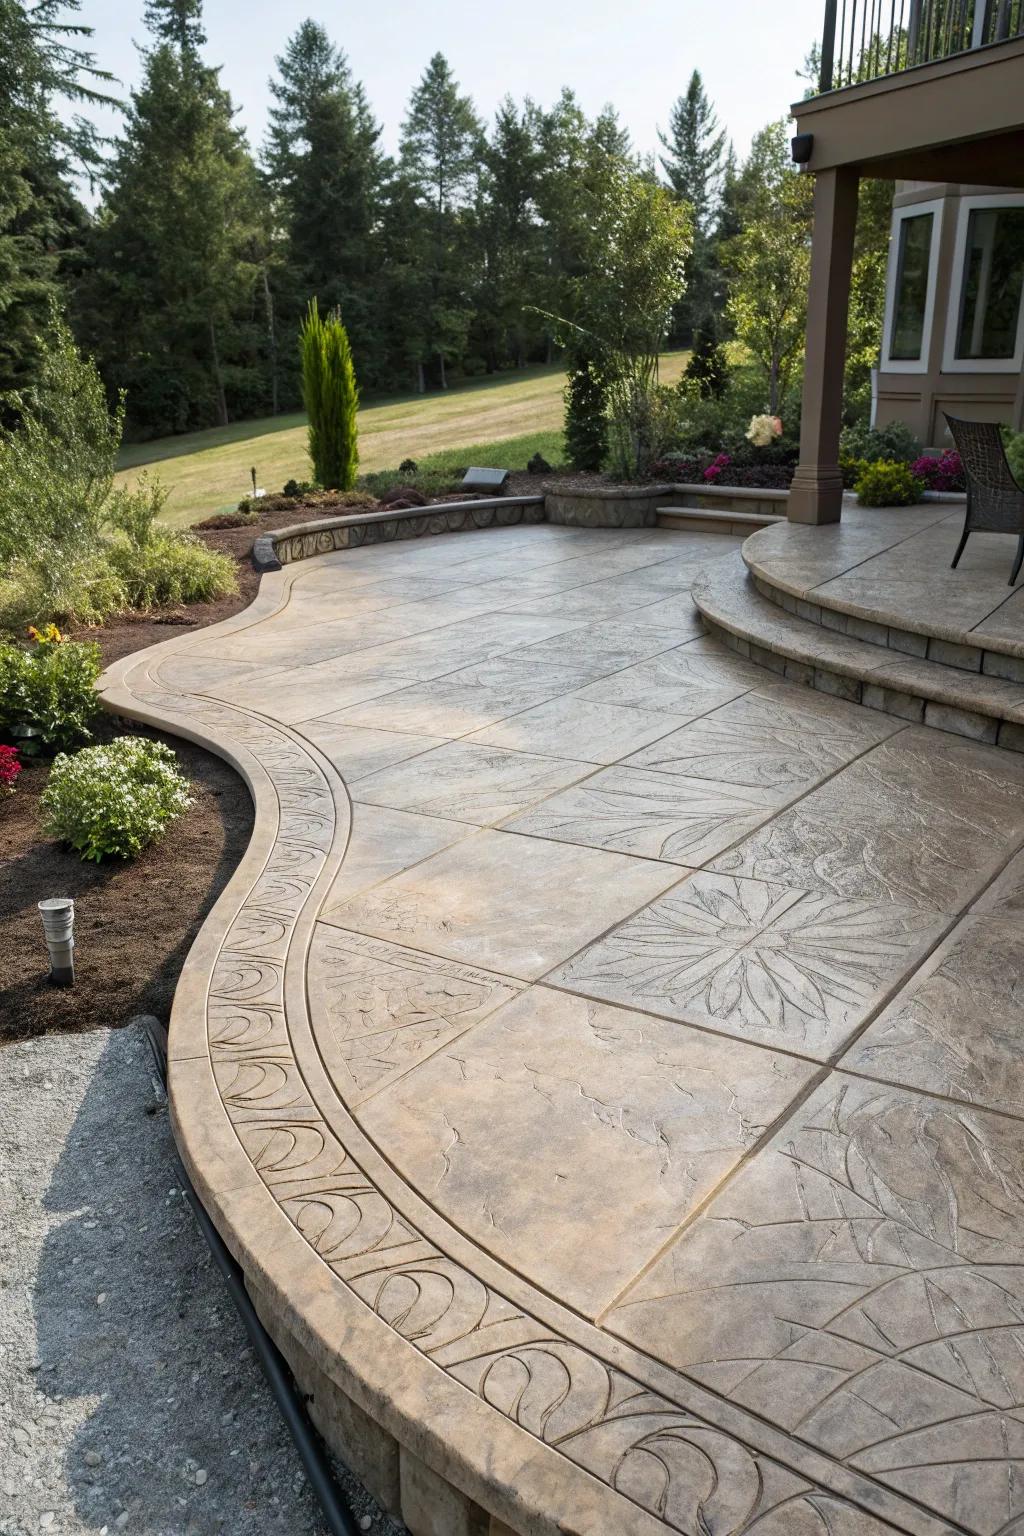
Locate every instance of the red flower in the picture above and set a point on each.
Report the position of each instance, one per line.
(9, 767)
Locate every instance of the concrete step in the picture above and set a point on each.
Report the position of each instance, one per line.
(715, 520)
(984, 708)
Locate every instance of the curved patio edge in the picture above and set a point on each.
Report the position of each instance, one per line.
(465, 1405)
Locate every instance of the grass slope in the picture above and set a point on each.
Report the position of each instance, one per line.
(503, 420)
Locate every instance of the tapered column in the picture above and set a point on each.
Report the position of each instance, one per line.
(816, 495)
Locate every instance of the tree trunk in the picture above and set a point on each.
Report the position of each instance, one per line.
(222, 403)
(268, 302)
(421, 383)
(444, 379)
(773, 387)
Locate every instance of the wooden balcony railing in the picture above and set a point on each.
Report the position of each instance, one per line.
(867, 39)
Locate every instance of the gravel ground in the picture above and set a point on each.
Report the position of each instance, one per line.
(129, 1398)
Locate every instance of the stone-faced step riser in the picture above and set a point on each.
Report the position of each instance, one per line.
(906, 706)
(947, 653)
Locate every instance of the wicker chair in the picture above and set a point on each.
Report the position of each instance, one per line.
(995, 502)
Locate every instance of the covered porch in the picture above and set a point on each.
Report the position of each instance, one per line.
(946, 107)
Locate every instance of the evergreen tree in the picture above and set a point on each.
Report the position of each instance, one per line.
(510, 257)
(440, 147)
(331, 398)
(326, 174)
(695, 162)
(586, 413)
(42, 222)
(173, 302)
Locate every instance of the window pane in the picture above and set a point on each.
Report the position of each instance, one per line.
(993, 274)
(913, 252)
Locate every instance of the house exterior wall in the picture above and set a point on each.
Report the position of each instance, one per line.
(917, 392)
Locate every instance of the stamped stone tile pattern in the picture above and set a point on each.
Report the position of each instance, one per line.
(614, 1049)
(638, 1119)
(861, 1282)
(957, 1028)
(754, 958)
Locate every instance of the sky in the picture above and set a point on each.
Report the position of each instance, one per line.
(638, 56)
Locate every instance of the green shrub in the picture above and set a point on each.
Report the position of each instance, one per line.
(1013, 442)
(888, 483)
(707, 372)
(331, 398)
(59, 587)
(113, 801)
(57, 462)
(851, 470)
(586, 416)
(158, 567)
(47, 691)
(894, 442)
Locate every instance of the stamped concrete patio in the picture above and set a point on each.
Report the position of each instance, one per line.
(606, 1062)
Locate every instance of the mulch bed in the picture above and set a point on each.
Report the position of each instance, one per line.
(134, 921)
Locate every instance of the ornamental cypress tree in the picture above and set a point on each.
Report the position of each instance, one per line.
(331, 398)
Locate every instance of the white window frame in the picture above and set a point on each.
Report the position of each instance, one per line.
(911, 211)
(950, 362)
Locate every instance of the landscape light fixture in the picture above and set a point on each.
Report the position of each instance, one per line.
(492, 480)
(58, 915)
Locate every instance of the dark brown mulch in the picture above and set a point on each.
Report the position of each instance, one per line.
(134, 922)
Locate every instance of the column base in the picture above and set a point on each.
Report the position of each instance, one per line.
(816, 495)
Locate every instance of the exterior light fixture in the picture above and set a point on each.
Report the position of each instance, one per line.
(478, 479)
(802, 148)
(58, 915)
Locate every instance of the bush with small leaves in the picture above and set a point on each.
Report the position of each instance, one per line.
(113, 801)
(1013, 442)
(157, 566)
(48, 699)
(894, 443)
(888, 483)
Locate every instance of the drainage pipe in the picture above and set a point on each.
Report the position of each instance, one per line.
(338, 1514)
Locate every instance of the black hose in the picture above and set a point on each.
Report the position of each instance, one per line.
(341, 1520)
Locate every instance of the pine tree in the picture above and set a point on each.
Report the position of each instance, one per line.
(440, 147)
(42, 222)
(507, 225)
(694, 162)
(173, 302)
(326, 174)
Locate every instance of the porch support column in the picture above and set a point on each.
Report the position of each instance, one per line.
(816, 495)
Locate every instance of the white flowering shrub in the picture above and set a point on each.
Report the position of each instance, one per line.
(763, 430)
(113, 801)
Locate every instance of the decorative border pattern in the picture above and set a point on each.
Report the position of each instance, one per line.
(680, 1467)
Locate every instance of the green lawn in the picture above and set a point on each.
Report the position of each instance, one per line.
(500, 421)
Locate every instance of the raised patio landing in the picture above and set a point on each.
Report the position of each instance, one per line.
(868, 609)
(606, 1062)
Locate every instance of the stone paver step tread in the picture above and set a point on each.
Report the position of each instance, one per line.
(728, 600)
